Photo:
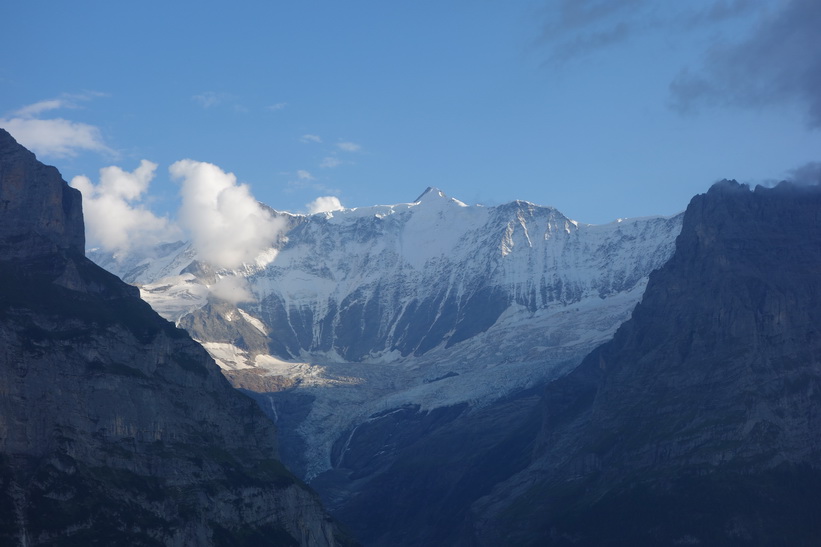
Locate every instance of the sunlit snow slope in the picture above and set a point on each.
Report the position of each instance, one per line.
(430, 303)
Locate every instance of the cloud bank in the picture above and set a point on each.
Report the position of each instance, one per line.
(809, 173)
(115, 218)
(778, 63)
(227, 225)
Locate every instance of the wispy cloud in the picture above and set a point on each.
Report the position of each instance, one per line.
(56, 137)
(309, 182)
(116, 219)
(310, 138)
(332, 160)
(38, 108)
(276, 106)
(573, 29)
(210, 99)
(349, 146)
(66, 100)
(329, 162)
(722, 10)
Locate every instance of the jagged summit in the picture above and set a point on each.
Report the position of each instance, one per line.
(429, 194)
(435, 195)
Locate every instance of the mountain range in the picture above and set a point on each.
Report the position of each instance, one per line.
(441, 374)
(424, 305)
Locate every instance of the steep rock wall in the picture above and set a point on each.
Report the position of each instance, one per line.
(116, 427)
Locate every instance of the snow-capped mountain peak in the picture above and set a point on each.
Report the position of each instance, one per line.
(435, 195)
(377, 302)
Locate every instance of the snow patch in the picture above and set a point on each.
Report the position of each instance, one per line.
(227, 356)
(253, 320)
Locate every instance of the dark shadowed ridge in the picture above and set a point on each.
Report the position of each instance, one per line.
(700, 422)
(115, 426)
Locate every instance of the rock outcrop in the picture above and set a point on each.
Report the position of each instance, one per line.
(115, 426)
(36, 219)
(700, 422)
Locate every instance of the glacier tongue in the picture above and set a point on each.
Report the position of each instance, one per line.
(431, 303)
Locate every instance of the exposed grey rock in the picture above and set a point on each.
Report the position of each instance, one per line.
(36, 219)
(700, 422)
(115, 426)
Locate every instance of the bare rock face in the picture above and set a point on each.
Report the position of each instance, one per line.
(36, 219)
(116, 427)
(700, 422)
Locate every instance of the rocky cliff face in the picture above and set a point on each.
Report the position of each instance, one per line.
(115, 427)
(36, 220)
(699, 422)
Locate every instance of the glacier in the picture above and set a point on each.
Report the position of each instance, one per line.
(430, 303)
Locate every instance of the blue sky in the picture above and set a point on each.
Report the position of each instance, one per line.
(602, 109)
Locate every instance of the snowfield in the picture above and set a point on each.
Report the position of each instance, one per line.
(431, 303)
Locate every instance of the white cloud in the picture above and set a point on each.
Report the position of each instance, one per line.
(324, 204)
(304, 175)
(227, 225)
(349, 146)
(56, 137)
(330, 162)
(115, 219)
(311, 138)
(232, 289)
(277, 106)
